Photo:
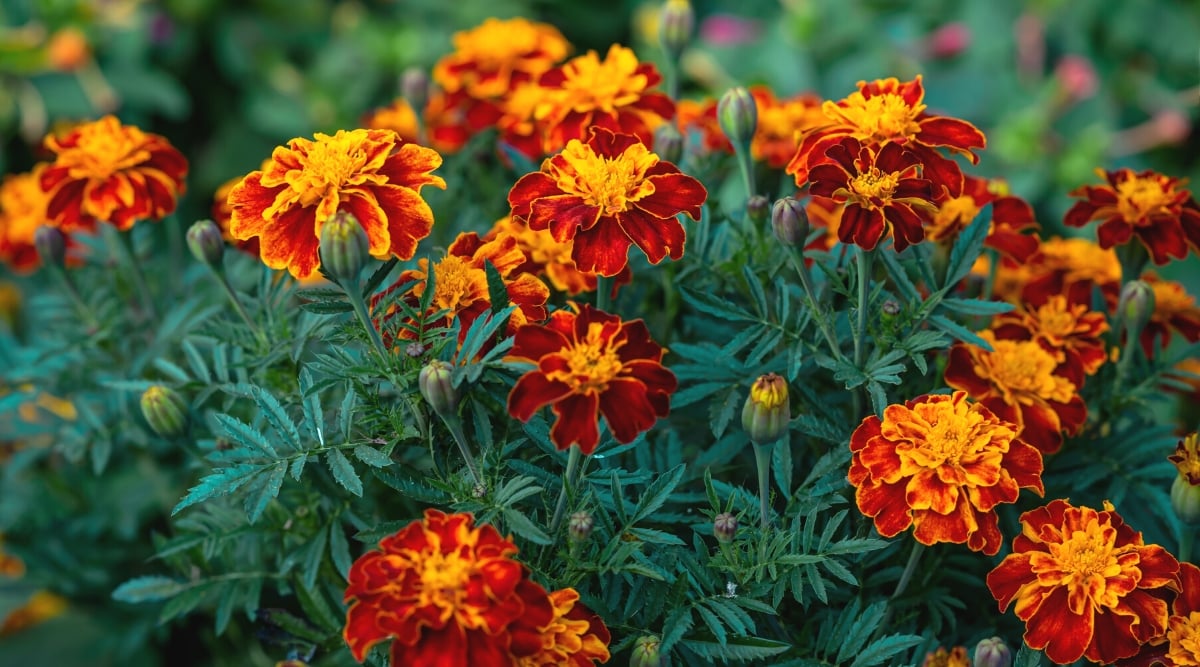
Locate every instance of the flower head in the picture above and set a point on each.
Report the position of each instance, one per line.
(399, 117)
(109, 172)
(766, 413)
(22, 211)
(941, 464)
(489, 59)
(961, 200)
(576, 637)
(447, 592)
(956, 657)
(1174, 310)
(1153, 207)
(371, 174)
(881, 191)
(701, 116)
(779, 122)
(1085, 583)
(1072, 267)
(606, 195)
(1183, 626)
(40, 607)
(546, 257)
(591, 363)
(1070, 332)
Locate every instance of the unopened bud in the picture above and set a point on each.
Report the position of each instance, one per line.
(51, 245)
(1135, 306)
(668, 143)
(992, 652)
(344, 246)
(437, 387)
(737, 114)
(675, 27)
(414, 87)
(789, 222)
(725, 527)
(205, 242)
(1185, 492)
(645, 652)
(415, 349)
(579, 526)
(766, 413)
(758, 208)
(164, 410)
(890, 307)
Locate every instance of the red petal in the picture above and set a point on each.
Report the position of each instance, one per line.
(657, 237)
(1007, 579)
(603, 249)
(626, 409)
(533, 342)
(952, 133)
(1164, 239)
(1063, 635)
(533, 391)
(1113, 637)
(564, 215)
(528, 189)
(673, 194)
(577, 422)
(862, 227)
(1080, 213)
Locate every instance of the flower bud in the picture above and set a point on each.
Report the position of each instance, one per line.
(668, 143)
(645, 652)
(890, 307)
(1135, 306)
(789, 222)
(344, 246)
(414, 87)
(437, 387)
(725, 526)
(675, 26)
(737, 114)
(51, 245)
(758, 208)
(164, 410)
(1185, 492)
(579, 526)
(205, 242)
(992, 653)
(766, 413)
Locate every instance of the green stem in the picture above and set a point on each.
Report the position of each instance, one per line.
(1133, 258)
(354, 294)
(603, 293)
(865, 259)
(914, 557)
(746, 165)
(762, 457)
(127, 255)
(460, 437)
(573, 457)
(237, 306)
(81, 306)
(673, 78)
(1186, 541)
(823, 321)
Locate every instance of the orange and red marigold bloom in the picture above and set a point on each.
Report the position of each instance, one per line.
(371, 174)
(591, 363)
(941, 464)
(779, 121)
(546, 257)
(1153, 207)
(882, 192)
(109, 172)
(606, 195)
(489, 59)
(960, 201)
(22, 211)
(1070, 266)
(1085, 583)
(1070, 332)
(576, 637)
(1174, 310)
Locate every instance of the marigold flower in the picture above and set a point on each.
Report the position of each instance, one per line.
(1153, 207)
(591, 363)
(780, 121)
(888, 111)
(371, 174)
(493, 56)
(10, 566)
(767, 411)
(576, 637)
(1183, 626)
(1174, 310)
(1072, 266)
(518, 124)
(614, 94)
(41, 606)
(1019, 382)
(961, 200)
(399, 117)
(222, 213)
(110, 172)
(22, 211)
(941, 464)
(546, 257)
(1187, 458)
(1085, 583)
(608, 194)
(701, 116)
(448, 593)
(881, 190)
(451, 120)
(956, 657)
(1068, 331)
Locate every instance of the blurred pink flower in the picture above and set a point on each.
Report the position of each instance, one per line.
(1030, 34)
(729, 30)
(949, 40)
(1077, 77)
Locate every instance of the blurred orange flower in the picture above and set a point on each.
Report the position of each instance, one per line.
(960, 201)
(106, 171)
(546, 257)
(222, 213)
(10, 566)
(591, 364)
(575, 638)
(1153, 207)
(780, 121)
(1068, 331)
(41, 606)
(22, 211)
(399, 117)
(941, 464)
(490, 58)
(956, 657)
(701, 115)
(1085, 583)
(369, 173)
(1174, 310)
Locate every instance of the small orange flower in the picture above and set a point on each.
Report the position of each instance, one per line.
(110, 172)
(614, 94)
(22, 211)
(608, 194)
(489, 59)
(546, 257)
(780, 121)
(1018, 381)
(1073, 267)
(941, 464)
(701, 116)
(591, 364)
(1174, 309)
(961, 200)
(882, 193)
(1085, 584)
(371, 174)
(957, 657)
(1153, 207)
(399, 117)
(1070, 332)
(41, 606)
(1187, 458)
(575, 638)
(448, 593)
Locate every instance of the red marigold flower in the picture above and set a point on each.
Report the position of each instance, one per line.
(110, 172)
(1085, 583)
(1153, 207)
(614, 94)
(1183, 626)
(22, 211)
(371, 174)
(546, 257)
(882, 192)
(591, 363)
(576, 637)
(489, 59)
(701, 116)
(1068, 331)
(941, 464)
(956, 657)
(888, 111)
(1072, 266)
(961, 200)
(608, 194)
(1174, 309)
(1018, 381)
(222, 213)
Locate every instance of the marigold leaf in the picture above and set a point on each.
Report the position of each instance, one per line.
(1027, 657)
(521, 525)
(199, 367)
(314, 417)
(326, 307)
(378, 276)
(346, 413)
(313, 602)
(264, 490)
(975, 306)
(714, 624)
(657, 494)
(343, 471)
(674, 628)
(220, 482)
(412, 489)
(372, 457)
(339, 548)
(148, 589)
(172, 371)
(739, 649)
(900, 276)
(712, 304)
(967, 247)
(959, 332)
(497, 290)
(243, 434)
(756, 292)
(880, 650)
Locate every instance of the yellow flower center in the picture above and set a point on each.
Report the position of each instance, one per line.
(1055, 319)
(1022, 370)
(874, 184)
(329, 166)
(953, 437)
(444, 579)
(590, 84)
(951, 217)
(104, 148)
(1084, 562)
(591, 363)
(1139, 198)
(457, 283)
(609, 184)
(881, 118)
(1183, 635)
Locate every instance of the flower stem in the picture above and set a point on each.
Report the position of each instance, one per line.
(573, 457)
(604, 292)
(762, 457)
(914, 557)
(823, 321)
(354, 294)
(76, 298)
(1133, 258)
(1187, 540)
(455, 425)
(123, 247)
(237, 305)
(865, 259)
(746, 165)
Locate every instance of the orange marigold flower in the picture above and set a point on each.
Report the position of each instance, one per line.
(447, 128)
(1174, 309)
(956, 657)
(1018, 381)
(779, 123)
(591, 363)
(823, 213)
(1153, 207)
(608, 194)
(448, 593)
(1183, 626)
(399, 117)
(371, 174)
(614, 94)
(106, 171)
(1085, 583)
(546, 257)
(493, 56)
(1071, 266)
(701, 116)
(941, 464)
(222, 213)
(22, 211)
(888, 111)
(882, 192)
(576, 637)
(41, 606)
(461, 286)
(961, 200)
(518, 124)
(1068, 331)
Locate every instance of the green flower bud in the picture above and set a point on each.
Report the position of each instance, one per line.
(675, 26)
(992, 653)
(579, 526)
(725, 527)
(1185, 500)
(766, 414)
(205, 242)
(758, 208)
(789, 222)
(668, 143)
(438, 389)
(645, 652)
(737, 114)
(164, 410)
(414, 87)
(344, 246)
(1135, 307)
(51, 246)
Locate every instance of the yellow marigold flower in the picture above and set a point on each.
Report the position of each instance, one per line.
(490, 58)
(42, 606)
(1183, 627)
(575, 638)
(371, 174)
(957, 657)
(22, 211)
(780, 121)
